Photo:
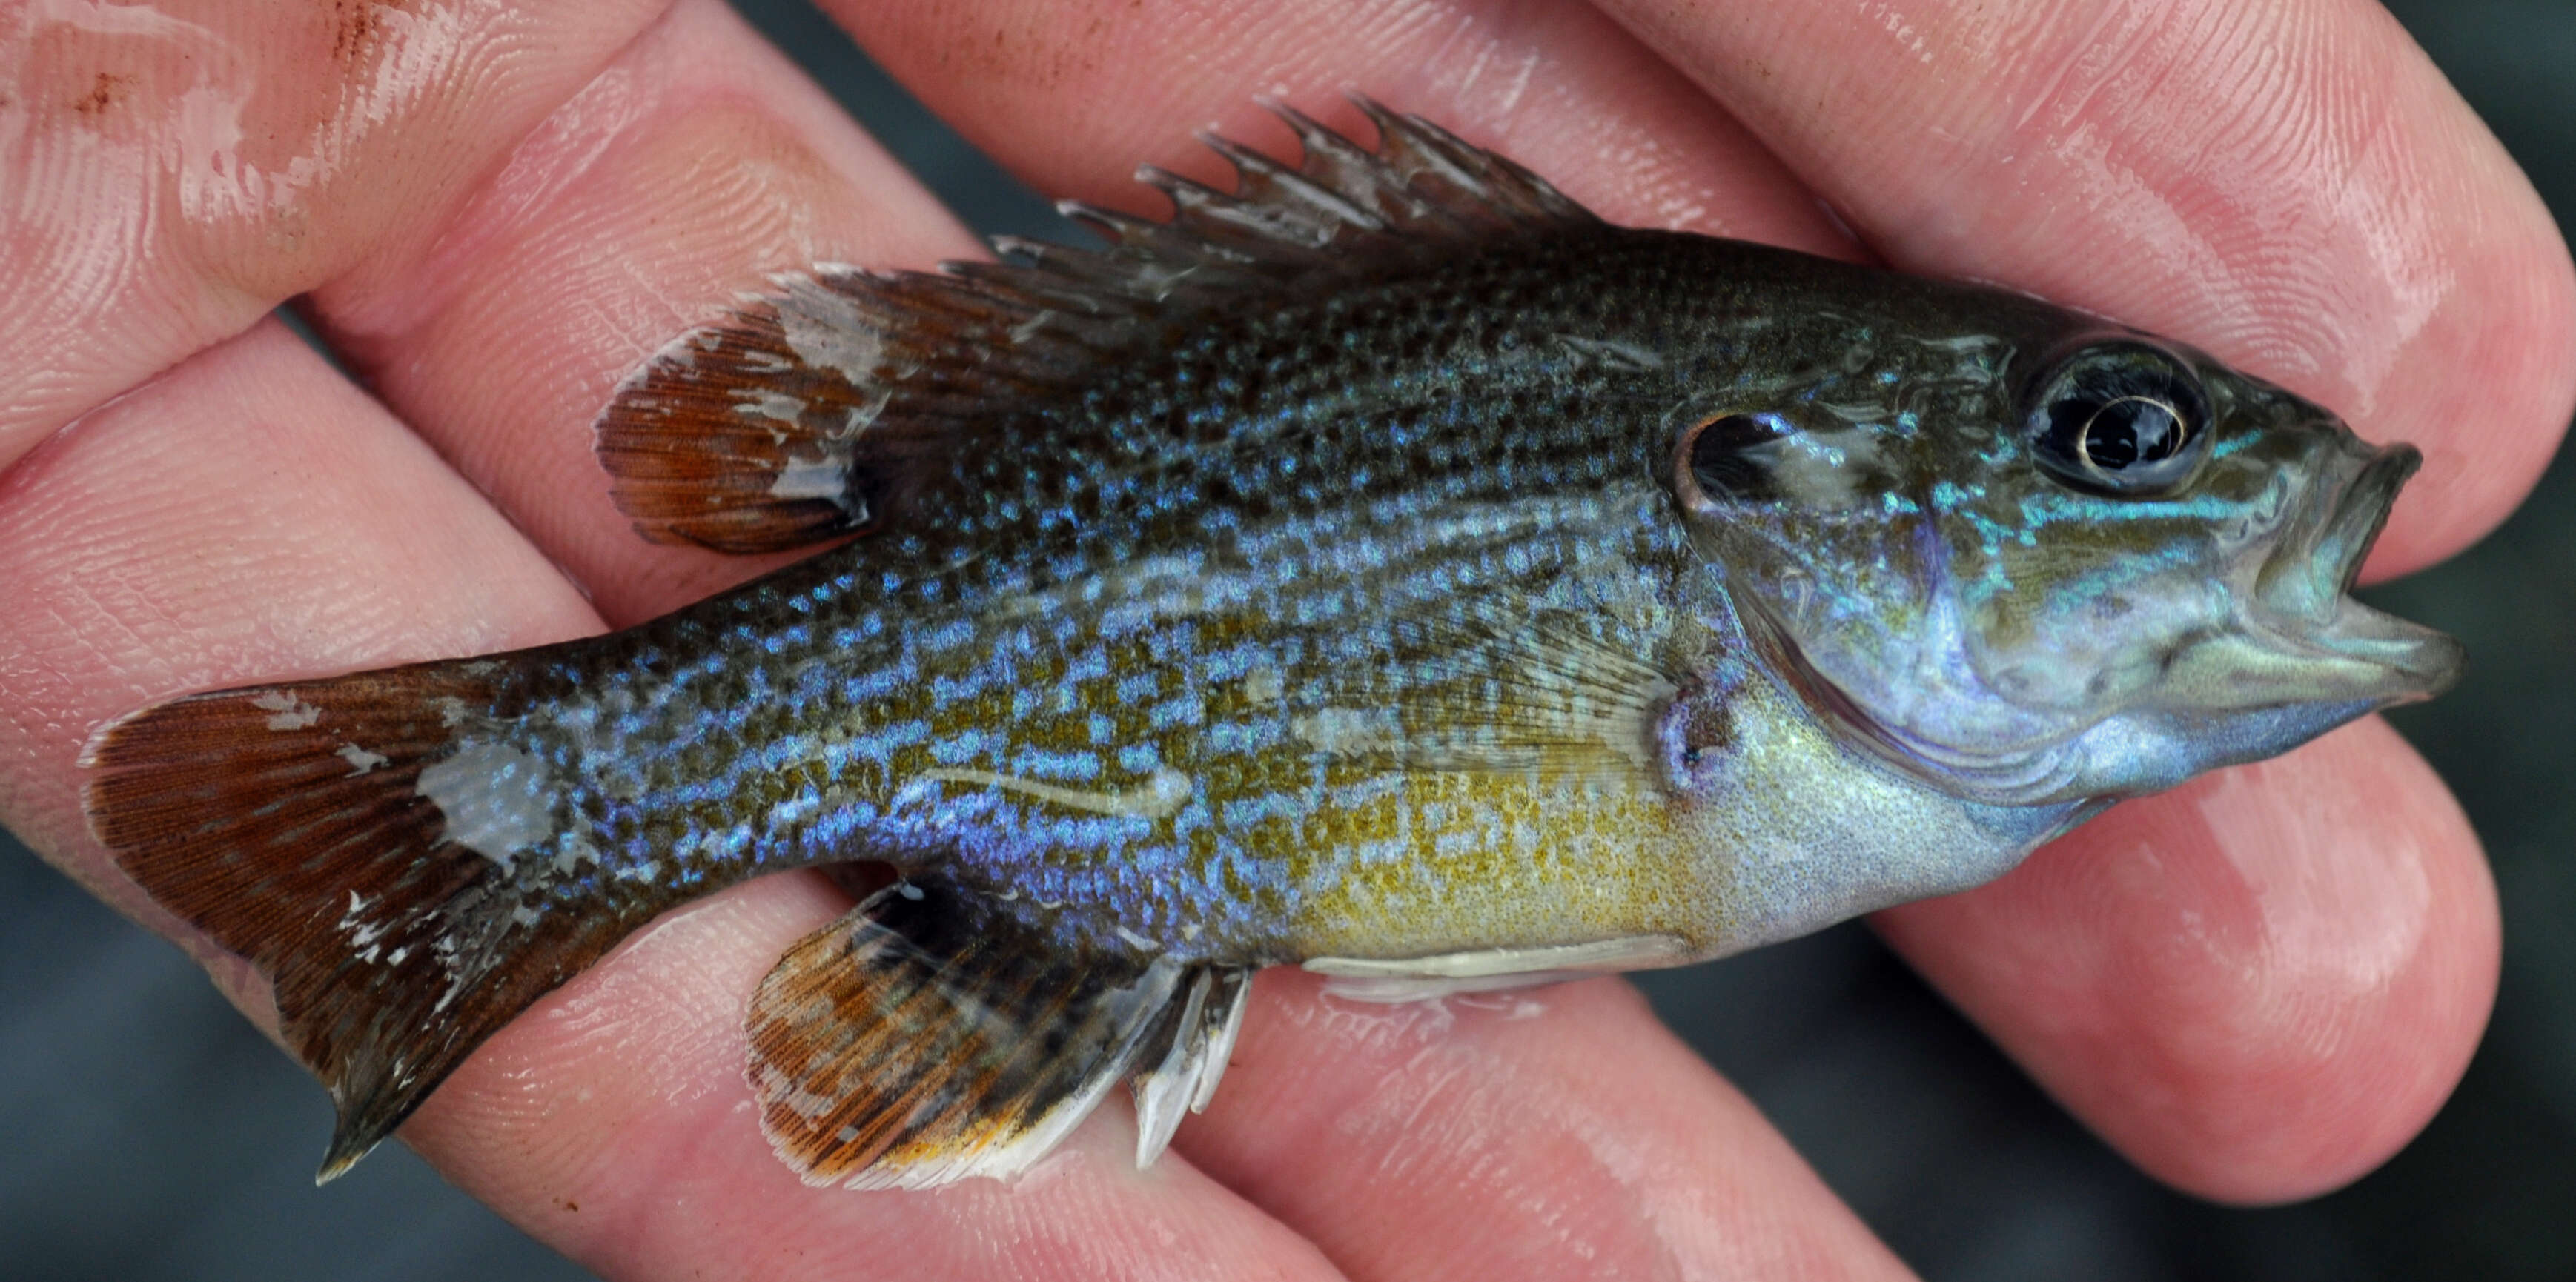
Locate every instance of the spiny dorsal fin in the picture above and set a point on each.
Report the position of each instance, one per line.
(810, 411)
(922, 1039)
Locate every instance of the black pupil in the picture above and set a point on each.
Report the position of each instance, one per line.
(2120, 418)
(2129, 431)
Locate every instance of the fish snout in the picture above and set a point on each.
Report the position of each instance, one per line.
(2306, 639)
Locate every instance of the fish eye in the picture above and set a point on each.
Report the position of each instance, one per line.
(2124, 418)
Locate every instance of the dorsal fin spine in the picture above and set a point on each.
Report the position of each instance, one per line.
(816, 409)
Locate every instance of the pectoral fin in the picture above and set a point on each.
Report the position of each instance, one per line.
(1523, 690)
(924, 1038)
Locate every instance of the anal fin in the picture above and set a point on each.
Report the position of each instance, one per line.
(923, 1039)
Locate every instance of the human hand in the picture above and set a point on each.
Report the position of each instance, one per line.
(2256, 987)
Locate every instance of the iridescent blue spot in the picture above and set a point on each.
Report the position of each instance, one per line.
(1184, 709)
(1080, 767)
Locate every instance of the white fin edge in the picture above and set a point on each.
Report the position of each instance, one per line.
(1413, 979)
(1012, 1157)
(1162, 1092)
(1186, 1079)
(1220, 1046)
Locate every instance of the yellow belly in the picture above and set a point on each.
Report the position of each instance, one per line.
(1457, 861)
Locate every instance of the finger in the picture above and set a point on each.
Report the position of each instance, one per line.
(505, 377)
(1405, 1143)
(702, 165)
(616, 1117)
(1058, 89)
(249, 515)
(1046, 88)
(169, 174)
(2292, 186)
(698, 165)
(213, 528)
(642, 1133)
(2258, 986)
(1506, 1135)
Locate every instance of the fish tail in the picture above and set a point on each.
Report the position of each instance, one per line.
(327, 831)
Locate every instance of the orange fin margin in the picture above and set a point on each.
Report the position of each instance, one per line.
(818, 408)
(917, 1041)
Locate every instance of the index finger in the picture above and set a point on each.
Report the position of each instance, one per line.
(2293, 186)
(2294, 287)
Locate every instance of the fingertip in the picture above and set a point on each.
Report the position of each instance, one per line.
(2258, 987)
(1504, 1134)
(2509, 340)
(2292, 186)
(614, 1120)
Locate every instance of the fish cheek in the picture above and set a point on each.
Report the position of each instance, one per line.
(2090, 615)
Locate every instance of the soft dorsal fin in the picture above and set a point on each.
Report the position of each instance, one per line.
(810, 411)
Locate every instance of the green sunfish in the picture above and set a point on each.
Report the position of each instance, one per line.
(1387, 568)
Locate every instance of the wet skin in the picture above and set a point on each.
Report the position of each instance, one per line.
(2256, 987)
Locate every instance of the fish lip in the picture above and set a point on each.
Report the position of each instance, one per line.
(2306, 606)
(2361, 512)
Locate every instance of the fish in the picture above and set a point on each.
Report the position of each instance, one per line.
(1386, 567)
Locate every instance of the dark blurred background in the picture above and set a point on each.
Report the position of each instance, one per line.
(147, 1133)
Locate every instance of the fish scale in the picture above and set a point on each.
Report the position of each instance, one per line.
(1265, 534)
(945, 693)
(1387, 568)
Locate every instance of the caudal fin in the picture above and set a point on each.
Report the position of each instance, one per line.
(335, 834)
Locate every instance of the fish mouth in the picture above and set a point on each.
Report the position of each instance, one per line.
(2361, 512)
(2321, 644)
(2295, 656)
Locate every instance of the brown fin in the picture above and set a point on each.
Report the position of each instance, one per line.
(742, 436)
(919, 1041)
(808, 412)
(294, 825)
